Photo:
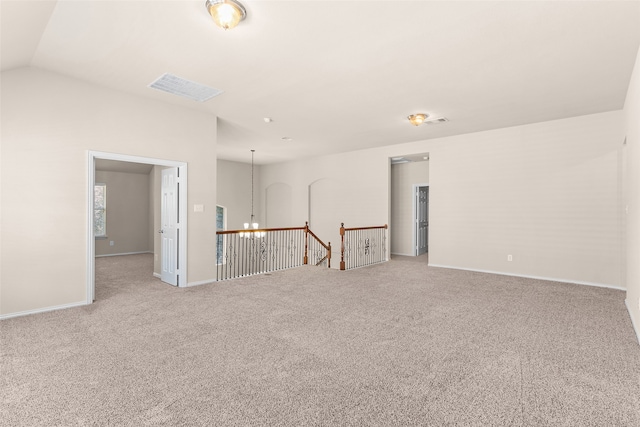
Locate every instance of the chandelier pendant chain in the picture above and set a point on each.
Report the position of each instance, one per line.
(252, 218)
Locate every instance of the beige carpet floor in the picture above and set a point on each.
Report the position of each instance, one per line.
(396, 344)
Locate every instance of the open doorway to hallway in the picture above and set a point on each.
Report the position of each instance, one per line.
(408, 173)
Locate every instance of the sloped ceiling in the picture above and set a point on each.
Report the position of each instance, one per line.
(342, 75)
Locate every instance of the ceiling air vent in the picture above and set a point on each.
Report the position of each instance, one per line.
(436, 121)
(183, 87)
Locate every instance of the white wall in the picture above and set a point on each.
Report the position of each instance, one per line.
(632, 181)
(279, 206)
(49, 122)
(234, 193)
(403, 178)
(548, 193)
(329, 190)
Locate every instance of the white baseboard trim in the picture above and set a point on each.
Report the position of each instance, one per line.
(42, 310)
(633, 323)
(159, 276)
(125, 253)
(399, 254)
(550, 279)
(201, 282)
(189, 284)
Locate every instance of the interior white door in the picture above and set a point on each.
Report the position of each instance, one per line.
(170, 220)
(422, 220)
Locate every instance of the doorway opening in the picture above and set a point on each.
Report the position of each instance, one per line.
(179, 244)
(407, 174)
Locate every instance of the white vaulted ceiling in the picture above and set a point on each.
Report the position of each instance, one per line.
(342, 75)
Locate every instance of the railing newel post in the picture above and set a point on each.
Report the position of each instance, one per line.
(306, 243)
(342, 265)
(384, 243)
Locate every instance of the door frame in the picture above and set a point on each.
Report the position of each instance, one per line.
(182, 209)
(414, 214)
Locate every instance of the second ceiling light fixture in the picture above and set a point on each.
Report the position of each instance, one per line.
(417, 119)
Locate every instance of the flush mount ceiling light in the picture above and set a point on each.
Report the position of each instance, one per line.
(417, 119)
(226, 13)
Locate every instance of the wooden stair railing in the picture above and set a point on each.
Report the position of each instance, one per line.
(317, 247)
(362, 246)
(255, 251)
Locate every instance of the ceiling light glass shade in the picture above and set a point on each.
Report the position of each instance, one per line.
(417, 119)
(252, 234)
(226, 13)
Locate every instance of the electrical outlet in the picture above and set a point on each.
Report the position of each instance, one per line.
(509, 257)
(111, 243)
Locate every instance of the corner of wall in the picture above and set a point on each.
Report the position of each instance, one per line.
(632, 178)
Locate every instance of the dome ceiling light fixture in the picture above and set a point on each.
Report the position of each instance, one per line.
(417, 119)
(226, 13)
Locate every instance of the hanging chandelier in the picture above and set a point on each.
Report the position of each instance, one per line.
(252, 223)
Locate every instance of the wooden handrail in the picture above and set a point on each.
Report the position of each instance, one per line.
(363, 228)
(253, 230)
(327, 256)
(327, 246)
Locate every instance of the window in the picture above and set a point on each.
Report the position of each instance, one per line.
(220, 225)
(100, 210)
